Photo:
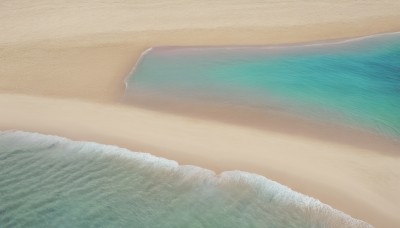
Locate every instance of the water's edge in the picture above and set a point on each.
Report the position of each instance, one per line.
(314, 212)
(361, 134)
(302, 44)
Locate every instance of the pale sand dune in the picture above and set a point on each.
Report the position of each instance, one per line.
(80, 50)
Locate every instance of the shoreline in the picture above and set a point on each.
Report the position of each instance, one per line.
(328, 171)
(307, 43)
(62, 70)
(119, 52)
(311, 43)
(322, 186)
(305, 202)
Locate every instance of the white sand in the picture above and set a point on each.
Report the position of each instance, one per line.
(359, 182)
(72, 54)
(70, 48)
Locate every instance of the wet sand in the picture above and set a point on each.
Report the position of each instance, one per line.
(62, 67)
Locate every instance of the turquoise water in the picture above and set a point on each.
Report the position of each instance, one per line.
(355, 82)
(48, 181)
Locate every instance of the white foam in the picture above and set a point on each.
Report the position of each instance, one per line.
(261, 185)
(277, 46)
(140, 59)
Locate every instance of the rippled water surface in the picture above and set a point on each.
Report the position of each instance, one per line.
(48, 181)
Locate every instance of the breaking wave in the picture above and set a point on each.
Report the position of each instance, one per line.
(53, 181)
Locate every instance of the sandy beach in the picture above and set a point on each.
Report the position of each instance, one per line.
(62, 67)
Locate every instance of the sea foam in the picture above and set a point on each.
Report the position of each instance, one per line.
(53, 181)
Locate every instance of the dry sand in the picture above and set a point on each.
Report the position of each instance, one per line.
(69, 60)
(360, 182)
(75, 49)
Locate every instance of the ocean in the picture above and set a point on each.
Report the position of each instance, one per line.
(49, 181)
(352, 82)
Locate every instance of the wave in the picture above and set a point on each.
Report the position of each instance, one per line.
(50, 180)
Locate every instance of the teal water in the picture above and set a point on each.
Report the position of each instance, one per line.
(355, 82)
(48, 181)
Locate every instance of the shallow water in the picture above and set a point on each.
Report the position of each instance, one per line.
(48, 181)
(354, 82)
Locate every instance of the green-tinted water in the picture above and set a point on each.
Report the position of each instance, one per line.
(355, 82)
(47, 181)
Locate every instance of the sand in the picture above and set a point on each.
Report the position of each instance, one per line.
(62, 67)
(360, 182)
(74, 49)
